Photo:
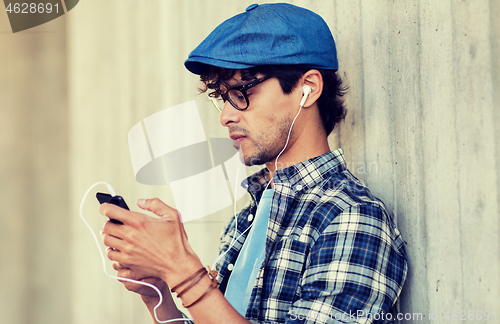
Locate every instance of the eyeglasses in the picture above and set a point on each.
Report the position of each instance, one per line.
(237, 96)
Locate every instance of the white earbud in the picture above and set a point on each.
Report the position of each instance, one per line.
(306, 90)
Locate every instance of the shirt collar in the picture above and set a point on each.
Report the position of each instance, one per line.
(299, 177)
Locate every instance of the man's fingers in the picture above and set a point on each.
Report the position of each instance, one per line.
(114, 212)
(112, 254)
(112, 242)
(159, 208)
(118, 266)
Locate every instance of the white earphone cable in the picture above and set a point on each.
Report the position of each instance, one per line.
(236, 187)
(112, 191)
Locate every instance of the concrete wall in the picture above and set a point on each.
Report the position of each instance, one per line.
(35, 264)
(424, 107)
(422, 130)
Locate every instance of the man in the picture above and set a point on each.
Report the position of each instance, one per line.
(314, 245)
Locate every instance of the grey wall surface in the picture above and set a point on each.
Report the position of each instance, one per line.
(424, 108)
(422, 131)
(35, 264)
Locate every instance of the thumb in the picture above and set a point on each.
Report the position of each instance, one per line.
(159, 208)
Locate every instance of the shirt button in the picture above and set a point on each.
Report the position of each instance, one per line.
(250, 217)
(298, 187)
(230, 267)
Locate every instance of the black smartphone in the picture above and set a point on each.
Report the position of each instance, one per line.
(116, 200)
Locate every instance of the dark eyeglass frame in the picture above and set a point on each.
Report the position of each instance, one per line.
(243, 89)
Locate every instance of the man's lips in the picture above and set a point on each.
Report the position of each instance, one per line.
(237, 137)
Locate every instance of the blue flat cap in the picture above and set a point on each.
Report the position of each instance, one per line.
(267, 34)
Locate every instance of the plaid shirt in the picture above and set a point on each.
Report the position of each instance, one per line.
(332, 250)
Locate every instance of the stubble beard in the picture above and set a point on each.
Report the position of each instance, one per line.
(267, 145)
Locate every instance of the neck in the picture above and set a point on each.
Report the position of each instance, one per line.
(298, 151)
(307, 141)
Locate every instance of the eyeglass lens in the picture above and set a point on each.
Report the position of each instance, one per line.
(237, 98)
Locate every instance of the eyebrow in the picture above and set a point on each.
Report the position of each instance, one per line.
(240, 82)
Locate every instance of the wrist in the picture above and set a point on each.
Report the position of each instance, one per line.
(182, 271)
(198, 284)
(150, 301)
(197, 292)
(152, 298)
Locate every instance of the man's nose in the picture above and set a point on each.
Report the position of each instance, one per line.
(229, 114)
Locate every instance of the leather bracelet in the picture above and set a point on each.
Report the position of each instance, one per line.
(213, 276)
(194, 282)
(188, 279)
(212, 285)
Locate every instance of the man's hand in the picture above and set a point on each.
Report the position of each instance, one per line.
(147, 293)
(149, 296)
(155, 248)
(150, 246)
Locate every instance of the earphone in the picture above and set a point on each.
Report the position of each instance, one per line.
(306, 92)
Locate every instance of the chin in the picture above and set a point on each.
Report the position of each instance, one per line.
(258, 157)
(255, 160)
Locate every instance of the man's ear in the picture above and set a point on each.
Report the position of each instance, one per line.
(314, 80)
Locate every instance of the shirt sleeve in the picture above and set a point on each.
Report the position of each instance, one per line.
(355, 270)
(187, 320)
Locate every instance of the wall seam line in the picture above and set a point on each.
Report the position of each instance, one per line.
(420, 147)
(453, 44)
(392, 116)
(362, 83)
(495, 86)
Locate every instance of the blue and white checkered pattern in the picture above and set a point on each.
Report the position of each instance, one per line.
(332, 250)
